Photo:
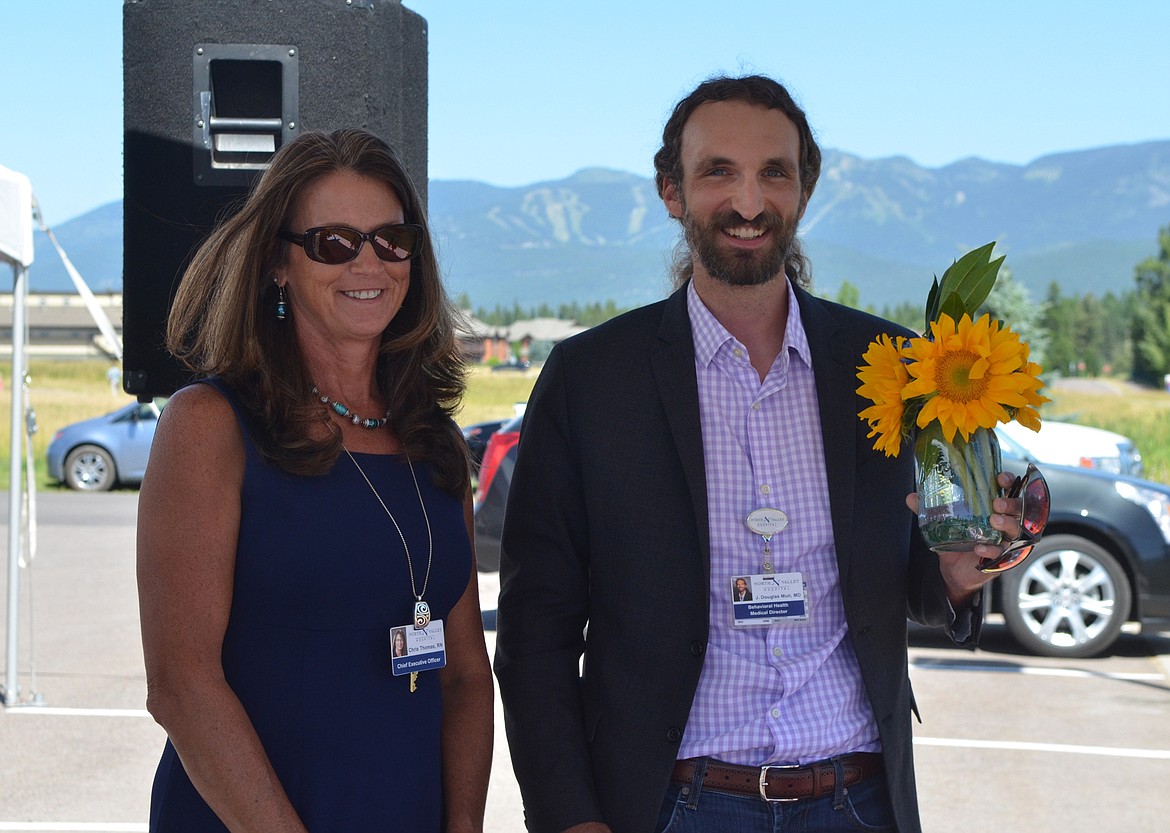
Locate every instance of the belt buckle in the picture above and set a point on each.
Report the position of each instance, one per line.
(764, 783)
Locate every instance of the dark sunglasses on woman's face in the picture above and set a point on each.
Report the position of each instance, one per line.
(341, 244)
(1033, 490)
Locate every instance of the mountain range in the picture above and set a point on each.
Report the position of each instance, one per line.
(1081, 219)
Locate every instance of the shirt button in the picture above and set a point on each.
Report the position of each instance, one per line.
(737, 353)
(755, 406)
(765, 489)
(775, 712)
(776, 652)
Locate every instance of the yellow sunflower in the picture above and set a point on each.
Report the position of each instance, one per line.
(883, 376)
(1026, 414)
(970, 374)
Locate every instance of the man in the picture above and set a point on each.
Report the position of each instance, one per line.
(742, 594)
(711, 436)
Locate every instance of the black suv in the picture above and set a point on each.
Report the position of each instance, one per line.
(1104, 558)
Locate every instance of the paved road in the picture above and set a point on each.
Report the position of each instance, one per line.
(1008, 742)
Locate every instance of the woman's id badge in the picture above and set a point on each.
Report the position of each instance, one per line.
(417, 649)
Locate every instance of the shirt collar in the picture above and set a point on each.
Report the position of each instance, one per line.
(710, 335)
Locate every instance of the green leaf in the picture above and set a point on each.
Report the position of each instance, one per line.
(954, 306)
(931, 305)
(965, 285)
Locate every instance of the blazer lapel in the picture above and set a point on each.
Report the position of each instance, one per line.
(673, 365)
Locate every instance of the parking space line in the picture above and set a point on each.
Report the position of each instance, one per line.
(1072, 749)
(56, 710)
(1010, 668)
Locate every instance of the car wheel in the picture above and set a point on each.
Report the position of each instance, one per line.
(90, 468)
(1068, 599)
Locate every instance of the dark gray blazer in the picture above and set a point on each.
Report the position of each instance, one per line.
(607, 527)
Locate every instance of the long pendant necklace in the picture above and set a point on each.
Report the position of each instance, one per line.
(422, 611)
(344, 412)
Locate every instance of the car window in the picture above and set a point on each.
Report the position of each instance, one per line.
(1010, 448)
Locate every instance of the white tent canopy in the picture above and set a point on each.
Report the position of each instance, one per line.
(18, 212)
(16, 248)
(16, 218)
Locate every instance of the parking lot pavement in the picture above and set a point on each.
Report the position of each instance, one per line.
(1008, 742)
(87, 755)
(84, 760)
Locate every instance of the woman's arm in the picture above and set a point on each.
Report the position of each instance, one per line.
(188, 524)
(468, 715)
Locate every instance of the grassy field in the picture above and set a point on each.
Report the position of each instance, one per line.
(62, 392)
(1142, 414)
(65, 391)
(59, 392)
(495, 395)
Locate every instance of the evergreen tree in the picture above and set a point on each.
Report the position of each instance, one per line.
(906, 313)
(1151, 321)
(1090, 335)
(1010, 303)
(1116, 339)
(1060, 319)
(590, 315)
(849, 295)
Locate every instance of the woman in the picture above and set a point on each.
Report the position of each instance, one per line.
(398, 640)
(308, 497)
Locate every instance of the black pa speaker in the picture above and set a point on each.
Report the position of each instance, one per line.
(211, 90)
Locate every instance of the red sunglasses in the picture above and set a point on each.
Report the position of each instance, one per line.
(1037, 501)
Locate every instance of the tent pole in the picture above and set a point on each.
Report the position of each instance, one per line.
(15, 483)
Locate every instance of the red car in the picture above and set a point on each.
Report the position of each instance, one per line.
(496, 469)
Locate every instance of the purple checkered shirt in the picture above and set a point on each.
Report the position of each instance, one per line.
(789, 693)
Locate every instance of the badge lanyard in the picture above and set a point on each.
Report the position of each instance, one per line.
(767, 522)
(422, 610)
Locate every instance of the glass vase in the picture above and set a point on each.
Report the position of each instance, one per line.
(956, 485)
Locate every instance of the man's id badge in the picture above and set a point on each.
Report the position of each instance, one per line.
(768, 599)
(414, 650)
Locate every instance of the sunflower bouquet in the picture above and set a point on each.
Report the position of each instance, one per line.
(954, 384)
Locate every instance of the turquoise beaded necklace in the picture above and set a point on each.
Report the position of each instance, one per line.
(344, 412)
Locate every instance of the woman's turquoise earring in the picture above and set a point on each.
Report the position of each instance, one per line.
(281, 306)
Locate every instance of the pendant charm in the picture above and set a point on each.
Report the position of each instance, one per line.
(766, 522)
(413, 682)
(422, 615)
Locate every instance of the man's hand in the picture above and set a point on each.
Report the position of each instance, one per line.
(960, 569)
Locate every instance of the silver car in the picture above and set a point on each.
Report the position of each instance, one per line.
(95, 455)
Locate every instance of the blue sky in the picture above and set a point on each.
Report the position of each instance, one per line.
(523, 91)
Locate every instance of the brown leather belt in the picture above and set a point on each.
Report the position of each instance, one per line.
(780, 783)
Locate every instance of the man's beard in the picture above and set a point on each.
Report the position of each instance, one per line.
(744, 267)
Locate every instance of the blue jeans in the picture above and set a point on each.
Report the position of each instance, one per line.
(864, 806)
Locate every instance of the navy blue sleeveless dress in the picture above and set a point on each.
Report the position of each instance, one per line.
(321, 578)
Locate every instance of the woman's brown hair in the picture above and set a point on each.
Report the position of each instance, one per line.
(223, 320)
